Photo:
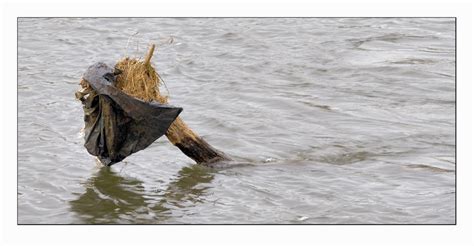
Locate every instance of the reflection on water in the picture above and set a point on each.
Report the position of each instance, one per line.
(188, 187)
(111, 198)
(108, 196)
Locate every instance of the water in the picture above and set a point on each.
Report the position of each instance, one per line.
(329, 121)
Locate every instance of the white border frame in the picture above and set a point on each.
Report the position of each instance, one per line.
(461, 234)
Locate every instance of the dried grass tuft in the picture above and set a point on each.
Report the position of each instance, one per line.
(140, 80)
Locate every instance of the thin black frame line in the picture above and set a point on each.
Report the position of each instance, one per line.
(240, 17)
(17, 123)
(455, 121)
(411, 17)
(124, 224)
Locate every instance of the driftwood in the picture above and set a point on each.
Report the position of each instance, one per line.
(186, 139)
(140, 80)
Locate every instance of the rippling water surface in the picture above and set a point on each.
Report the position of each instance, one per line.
(328, 120)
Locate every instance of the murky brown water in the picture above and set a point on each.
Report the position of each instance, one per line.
(329, 121)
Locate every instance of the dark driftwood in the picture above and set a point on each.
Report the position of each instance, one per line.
(192, 145)
(178, 133)
(186, 139)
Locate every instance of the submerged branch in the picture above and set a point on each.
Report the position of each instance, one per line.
(140, 79)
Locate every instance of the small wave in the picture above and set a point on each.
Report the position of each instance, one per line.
(346, 158)
(414, 61)
(429, 168)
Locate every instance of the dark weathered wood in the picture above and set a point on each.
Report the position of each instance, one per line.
(192, 145)
(180, 135)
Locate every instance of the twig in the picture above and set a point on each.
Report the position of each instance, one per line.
(150, 54)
